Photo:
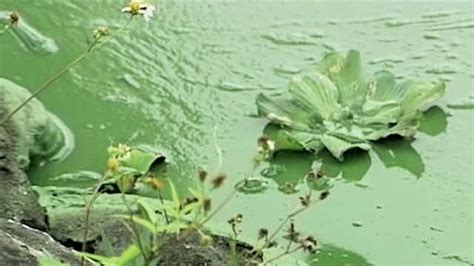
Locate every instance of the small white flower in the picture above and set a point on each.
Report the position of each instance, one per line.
(271, 145)
(140, 8)
(148, 12)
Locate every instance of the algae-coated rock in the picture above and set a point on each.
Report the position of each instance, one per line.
(17, 200)
(29, 38)
(40, 135)
(23, 245)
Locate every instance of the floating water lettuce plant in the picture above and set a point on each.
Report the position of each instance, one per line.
(337, 108)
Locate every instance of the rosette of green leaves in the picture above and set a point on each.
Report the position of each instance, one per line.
(335, 107)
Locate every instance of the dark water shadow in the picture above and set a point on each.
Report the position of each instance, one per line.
(354, 167)
(329, 255)
(288, 168)
(396, 151)
(434, 122)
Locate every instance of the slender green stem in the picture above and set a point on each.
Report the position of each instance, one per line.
(221, 205)
(134, 229)
(45, 85)
(89, 206)
(94, 45)
(284, 222)
(167, 219)
(288, 246)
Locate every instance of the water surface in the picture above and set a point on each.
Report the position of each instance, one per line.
(188, 80)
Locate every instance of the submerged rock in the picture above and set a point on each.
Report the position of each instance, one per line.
(29, 38)
(39, 134)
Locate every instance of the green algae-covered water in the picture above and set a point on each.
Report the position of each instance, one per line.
(187, 81)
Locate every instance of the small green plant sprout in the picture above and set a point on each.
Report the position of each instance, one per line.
(337, 108)
(100, 36)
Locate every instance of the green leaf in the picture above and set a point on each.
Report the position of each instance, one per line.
(337, 146)
(143, 161)
(140, 221)
(284, 112)
(175, 226)
(346, 74)
(283, 139)
(310, 141)
(419, 95)
(131, 253)
(106, 261)
(329, 61)
(148, 211)
(316, 92)
(274, 109)
(127, 256)
(174, 195)
(380, 113)
(385, 88)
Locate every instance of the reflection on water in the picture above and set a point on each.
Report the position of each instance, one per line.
(288, 168)
(398, 152)
(333, 255)
(354, 167)
(434, 122)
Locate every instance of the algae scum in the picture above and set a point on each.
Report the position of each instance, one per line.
(189, 79)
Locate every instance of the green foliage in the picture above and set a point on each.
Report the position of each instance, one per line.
(128, 165)
(335, 107)
(126, 258)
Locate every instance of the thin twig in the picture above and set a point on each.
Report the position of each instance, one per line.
(221, 205)
(134, 228)
(288, 217)
(45, 85)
